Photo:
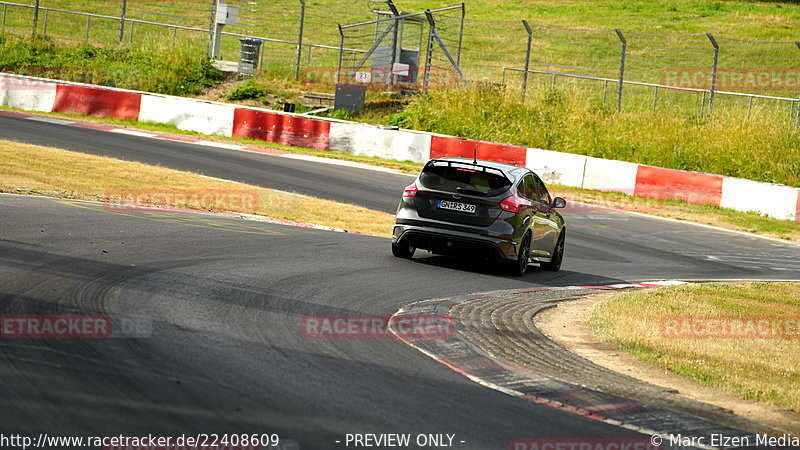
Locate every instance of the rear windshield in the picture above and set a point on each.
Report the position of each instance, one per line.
(464, 179)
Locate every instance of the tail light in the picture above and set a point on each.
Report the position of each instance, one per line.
(410, 190)
(511, 204)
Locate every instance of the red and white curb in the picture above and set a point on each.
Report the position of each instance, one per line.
(460, 355)
(221, 119)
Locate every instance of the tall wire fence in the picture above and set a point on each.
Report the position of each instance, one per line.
(692, 73)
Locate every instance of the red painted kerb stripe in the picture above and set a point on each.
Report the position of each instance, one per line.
(797, 214)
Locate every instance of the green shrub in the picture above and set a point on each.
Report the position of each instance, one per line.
(161, 70)
(763, 149)
(247, 90)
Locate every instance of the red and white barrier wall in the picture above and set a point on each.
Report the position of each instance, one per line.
(213, 118)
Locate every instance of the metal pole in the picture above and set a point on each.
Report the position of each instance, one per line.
(605, 91)
(211, 28)
(713, 73)
(132, 24)
(621, 68)
(461, 33)
(390, 80)
(374, 46)
(174, 35)
(798, 106)
(341, 49)
(428, 58)
(444, 47)
(122, 22)
(749, 107)
(88, 24)
(655, 99)
(527, 58)
(309, 56)
(703, 105)
(35, 18)
(4, 17)
(46, 15)
(300, 40)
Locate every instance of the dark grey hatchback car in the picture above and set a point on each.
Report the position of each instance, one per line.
(483, 209)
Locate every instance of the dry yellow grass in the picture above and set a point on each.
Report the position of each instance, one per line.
(30, 169)
(761, 369)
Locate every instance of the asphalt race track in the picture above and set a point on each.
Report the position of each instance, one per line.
(222, 300)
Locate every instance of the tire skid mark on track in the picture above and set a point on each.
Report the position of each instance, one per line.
(463, 357)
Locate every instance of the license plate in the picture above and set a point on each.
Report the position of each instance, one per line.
(455, 206)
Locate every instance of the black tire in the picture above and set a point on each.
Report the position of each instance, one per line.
(558, 256)
(519, 266)
(405, 250)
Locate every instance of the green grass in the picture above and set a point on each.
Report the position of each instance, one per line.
(561, 120)
(764, 370)
(170, 71)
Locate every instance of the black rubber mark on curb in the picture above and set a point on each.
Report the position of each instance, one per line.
(460, 355)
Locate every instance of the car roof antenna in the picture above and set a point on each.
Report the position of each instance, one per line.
(475, 155)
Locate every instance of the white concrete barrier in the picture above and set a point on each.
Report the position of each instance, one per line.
(372, 140)
(552, 167)
(26, 93)
(773, 200)
(38, 94)
(610, 175)
(188, 114)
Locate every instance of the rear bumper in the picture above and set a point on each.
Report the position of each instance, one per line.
(454, 243)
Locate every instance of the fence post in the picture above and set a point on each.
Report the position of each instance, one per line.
(46, 15)
(390, 79)
(300, 40)
(798, 105)
(713, 74)
(461, 33)
(211, 29)
(428, 57)
(35, 18)
(703, 105)
(655, 99)
(341, 49)
(621, 68)
(122, 22)
(527, 59)
(4, 17)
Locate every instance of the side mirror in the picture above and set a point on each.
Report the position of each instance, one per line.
(559, 202)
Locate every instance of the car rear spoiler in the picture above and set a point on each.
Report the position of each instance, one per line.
(472, 164)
